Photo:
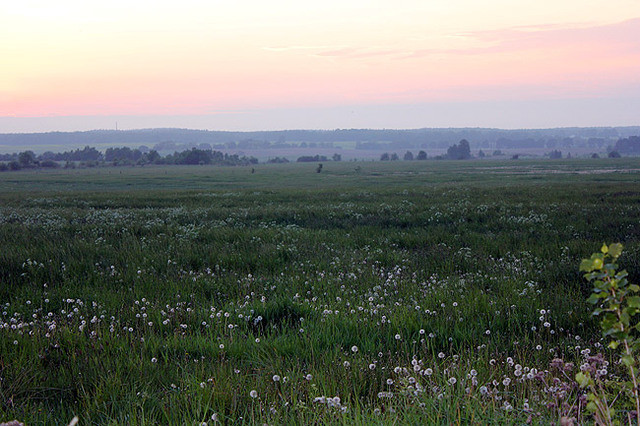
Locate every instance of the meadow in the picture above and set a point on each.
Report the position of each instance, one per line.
(433, 292)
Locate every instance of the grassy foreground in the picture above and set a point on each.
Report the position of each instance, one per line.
(370, 293)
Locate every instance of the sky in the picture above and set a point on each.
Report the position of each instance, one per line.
(281, 64)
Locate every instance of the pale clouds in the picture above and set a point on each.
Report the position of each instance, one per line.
(196, 58)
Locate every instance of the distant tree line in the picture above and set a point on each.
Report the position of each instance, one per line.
(277, 160)
(316, 158)
(91, 157)
(199, 156)
(86, 154)
(171, 140)
(311, 158)
(630, 145)
(203, 154)
(459, 151)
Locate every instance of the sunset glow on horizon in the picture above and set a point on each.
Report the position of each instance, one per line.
(165, 58)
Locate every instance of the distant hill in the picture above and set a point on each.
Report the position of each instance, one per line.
(177, 139)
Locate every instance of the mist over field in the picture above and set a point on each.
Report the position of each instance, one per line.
(349, 143)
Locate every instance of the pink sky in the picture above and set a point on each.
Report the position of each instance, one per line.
(71, 59)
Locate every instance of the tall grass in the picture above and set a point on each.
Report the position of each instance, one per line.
(412, 292)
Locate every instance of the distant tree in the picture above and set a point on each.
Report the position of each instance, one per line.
(14, 165)
(394, 157)
(594, 155)
(50, 164)
(630, 145)
(336, 157)
(26, 158)
(118, 155)
(9, 157)
(153, 156)
(408, 156)
(384, 157)
(136, 155)
(614, 154)
(497, 152)
(277, 160)
(195, 156)
(464, 149)
(3, 167)
(481, 154)
(459, 151)
(311, 158)
(48, 155)
(555, 154)
(422, 155)
(86, 154)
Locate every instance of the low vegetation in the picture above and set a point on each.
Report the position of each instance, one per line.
(397, 292)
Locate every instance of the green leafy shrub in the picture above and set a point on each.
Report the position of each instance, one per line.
(617, 306)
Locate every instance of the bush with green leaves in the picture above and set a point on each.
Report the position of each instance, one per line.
(617, 305)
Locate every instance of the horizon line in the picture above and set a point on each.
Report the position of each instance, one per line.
(324, 130)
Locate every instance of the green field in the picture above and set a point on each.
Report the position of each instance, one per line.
(370, 293)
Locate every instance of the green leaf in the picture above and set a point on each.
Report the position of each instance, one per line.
(586, 265)
(615, 250)
(625, 318)
(592, 407)
(614, 344)
(634, 301)
(628, 360)
(597, 262)
(593, 299)
(582, 379)
(634, 288)
(627, 385)
(604, 248)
